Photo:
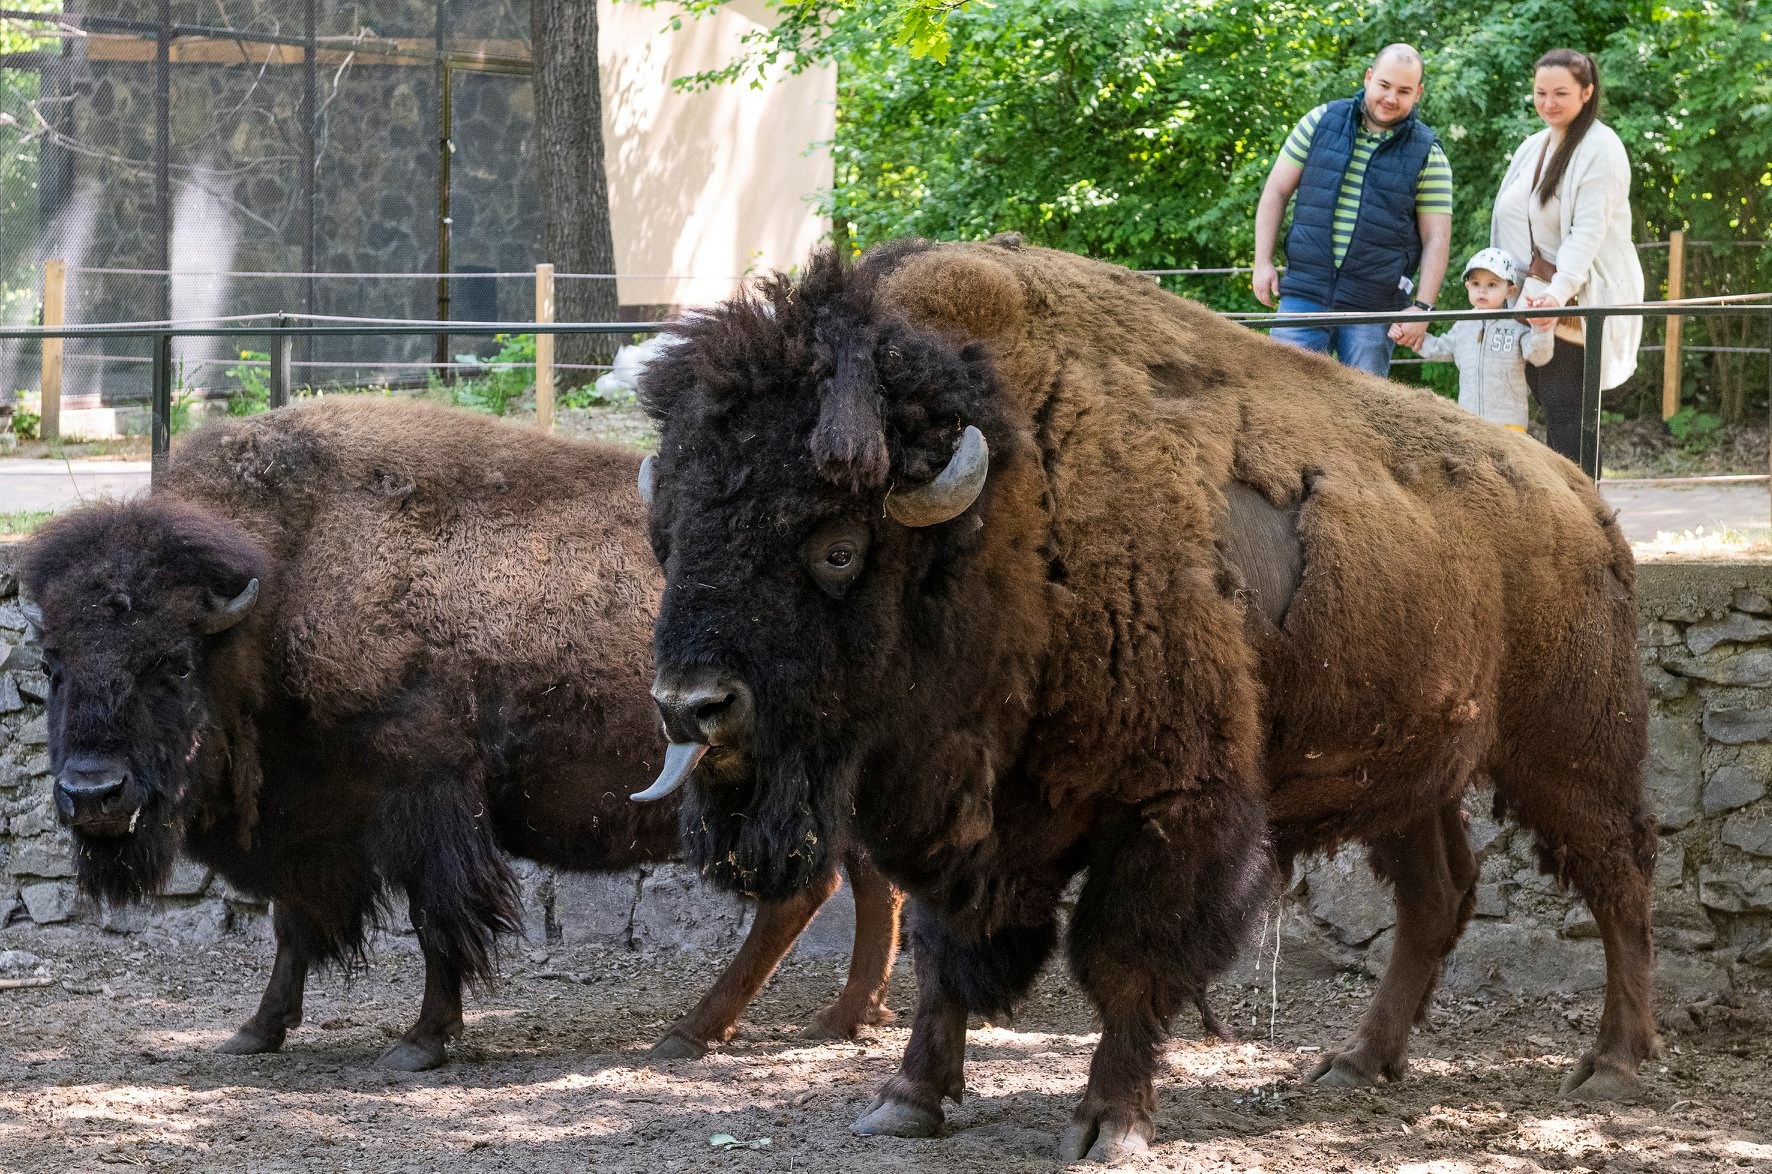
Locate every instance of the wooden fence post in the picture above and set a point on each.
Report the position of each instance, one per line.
(544, 348)
(49, 412)
(1670, 358)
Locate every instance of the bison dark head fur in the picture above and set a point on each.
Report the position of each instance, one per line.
(143, 611)
(804, 622)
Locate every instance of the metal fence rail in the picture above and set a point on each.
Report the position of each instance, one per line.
(544, 277)
(281, 328)
(1593, 319)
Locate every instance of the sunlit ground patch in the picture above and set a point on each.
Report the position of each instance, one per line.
(1716, 542)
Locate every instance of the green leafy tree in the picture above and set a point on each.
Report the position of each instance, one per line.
(1141, 131)
(21, 134)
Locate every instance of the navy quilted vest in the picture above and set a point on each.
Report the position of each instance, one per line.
(1386, 244)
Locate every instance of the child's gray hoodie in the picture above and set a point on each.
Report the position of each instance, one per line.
(1491, 358)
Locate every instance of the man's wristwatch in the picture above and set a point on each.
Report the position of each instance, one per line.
(1421, 305)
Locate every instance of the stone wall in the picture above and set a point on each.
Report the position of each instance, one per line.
(236, 151)
(1706, 644)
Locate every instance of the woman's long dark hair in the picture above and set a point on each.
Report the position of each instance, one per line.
(1586, 73)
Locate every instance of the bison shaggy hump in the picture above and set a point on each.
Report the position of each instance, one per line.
(357, 650)
(1202, 578)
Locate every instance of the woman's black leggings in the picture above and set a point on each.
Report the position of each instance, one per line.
(1557, 386)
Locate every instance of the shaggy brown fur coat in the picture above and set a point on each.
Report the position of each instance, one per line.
(448, 656)
(1204, 565)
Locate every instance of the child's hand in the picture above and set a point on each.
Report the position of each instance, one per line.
(1541, 302)
(1398, 335)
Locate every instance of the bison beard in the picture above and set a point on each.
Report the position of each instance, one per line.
(770, 835)
(1205, 577)
(125, 869)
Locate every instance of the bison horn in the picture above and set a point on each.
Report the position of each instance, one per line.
(679, 764)
(953, 490)
(231, 612)
(648, 477)
(33, 619)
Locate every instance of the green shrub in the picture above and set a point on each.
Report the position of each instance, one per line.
(254, 394)
(182, 402)
(508, 375)
(1695, 430)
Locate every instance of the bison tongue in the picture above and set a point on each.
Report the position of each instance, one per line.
(679, 764)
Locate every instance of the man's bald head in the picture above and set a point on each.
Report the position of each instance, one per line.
(1401, 55)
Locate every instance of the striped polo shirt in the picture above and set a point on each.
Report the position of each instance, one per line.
(1433, 194)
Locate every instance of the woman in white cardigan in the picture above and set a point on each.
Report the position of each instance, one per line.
(1567, 197)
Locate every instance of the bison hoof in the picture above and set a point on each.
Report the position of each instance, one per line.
(249, 1041)
(677, 1047)
(1344, 1070)
(835, 1023)
(897, 1119)
(1105, 1142)
(1600, 1080)
(414, 1056)
(1214, 1028)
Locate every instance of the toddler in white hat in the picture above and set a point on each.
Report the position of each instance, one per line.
(1491, 356)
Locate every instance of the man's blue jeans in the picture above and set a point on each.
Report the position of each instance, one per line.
(1366, 348)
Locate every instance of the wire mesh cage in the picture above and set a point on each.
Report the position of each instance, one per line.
(193, 159)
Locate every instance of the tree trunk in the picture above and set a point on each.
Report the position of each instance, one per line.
(1731, 387)
(574, 187)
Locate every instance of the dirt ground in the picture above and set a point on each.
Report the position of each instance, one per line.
(110, 1066)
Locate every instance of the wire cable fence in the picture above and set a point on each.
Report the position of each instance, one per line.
(219, 374)
(284, 328)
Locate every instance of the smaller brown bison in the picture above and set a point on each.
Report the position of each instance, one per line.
(356, 649)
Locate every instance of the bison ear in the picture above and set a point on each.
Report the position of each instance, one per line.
(849, 443)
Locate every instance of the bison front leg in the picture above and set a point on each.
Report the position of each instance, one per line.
(1433, 874)
(777, 926)
(426, 1044)
(461, 895)
(934, 1066)
(953, 977)
(280, 1007)
(863, 998)
(1171, 891)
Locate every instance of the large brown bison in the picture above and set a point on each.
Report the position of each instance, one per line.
(350, 651)
(1011, 565)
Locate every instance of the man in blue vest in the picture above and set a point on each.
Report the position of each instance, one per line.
(1373, 223)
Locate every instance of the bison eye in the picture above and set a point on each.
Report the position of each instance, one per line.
(179, 666)
(834, 555)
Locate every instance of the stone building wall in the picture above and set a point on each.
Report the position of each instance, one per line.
(236, 184)
(1706, 642)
